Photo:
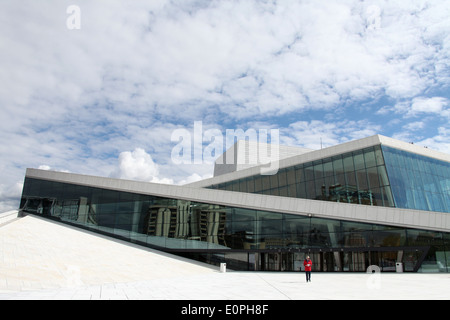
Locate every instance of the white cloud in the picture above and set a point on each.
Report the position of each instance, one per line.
(75, 99)
(138, 165)
(317, 134)
(428, 105)
(419, 106)
(440, 142)
(414, 126)
(243, 58)
(44, 167)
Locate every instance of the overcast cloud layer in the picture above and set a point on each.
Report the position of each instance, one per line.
(104, 99)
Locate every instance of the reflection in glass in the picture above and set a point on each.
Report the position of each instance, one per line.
(183, 226)
(354, 177)
(418, 182)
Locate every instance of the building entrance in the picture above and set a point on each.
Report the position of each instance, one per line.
(340, 260)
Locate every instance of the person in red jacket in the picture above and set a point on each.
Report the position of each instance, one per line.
(308, 264)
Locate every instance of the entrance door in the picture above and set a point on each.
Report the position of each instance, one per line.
(354, 261)
(276, 261)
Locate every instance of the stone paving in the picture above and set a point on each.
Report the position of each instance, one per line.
(45, 260)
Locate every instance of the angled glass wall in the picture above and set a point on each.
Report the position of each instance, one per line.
(355, 177)
(418, 182)
(377, 176)
(245, 239)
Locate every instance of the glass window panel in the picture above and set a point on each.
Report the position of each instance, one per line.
(266, 215)
(243, 185)
(242, 227)
(338, 165)
(372, 174)
(384, 181)
(369, 158)
(258, 183)
(310, 190)
(240, 214)
(355, 226)
(340, 180)
(301, 190)
(283, 191)
(387, 197)
(265, 182)
(377, 197)
(300, 174)
(295, 227)
(318, 171)
(348, 163)
(379, 155)
(274, 192)
(282, 179)
(362, 180)
(355, 239)
(388, 238)
(329, 182)
(309, 173)
(290, 173)
(273, 181)
(251, 184)
(270, 227)
(125, 207)
(328, 168)
(358, 159)
(321, 191)
(325, 225)
(292, 191)
(351, 179)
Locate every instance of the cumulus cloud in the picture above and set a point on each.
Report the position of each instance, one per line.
(246, 56)
(138, 165)
(320, 134)
(418, 106)
(428, 105)
(440, 141)
(135, 70)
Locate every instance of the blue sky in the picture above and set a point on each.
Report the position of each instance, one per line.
(105, 99)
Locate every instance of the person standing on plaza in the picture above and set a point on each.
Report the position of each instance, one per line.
(308, 264)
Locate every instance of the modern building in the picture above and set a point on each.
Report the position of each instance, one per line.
(370, 202)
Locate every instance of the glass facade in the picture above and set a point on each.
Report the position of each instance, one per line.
(246, 239)
(355, 177)
(376, 176)
(418, 182)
